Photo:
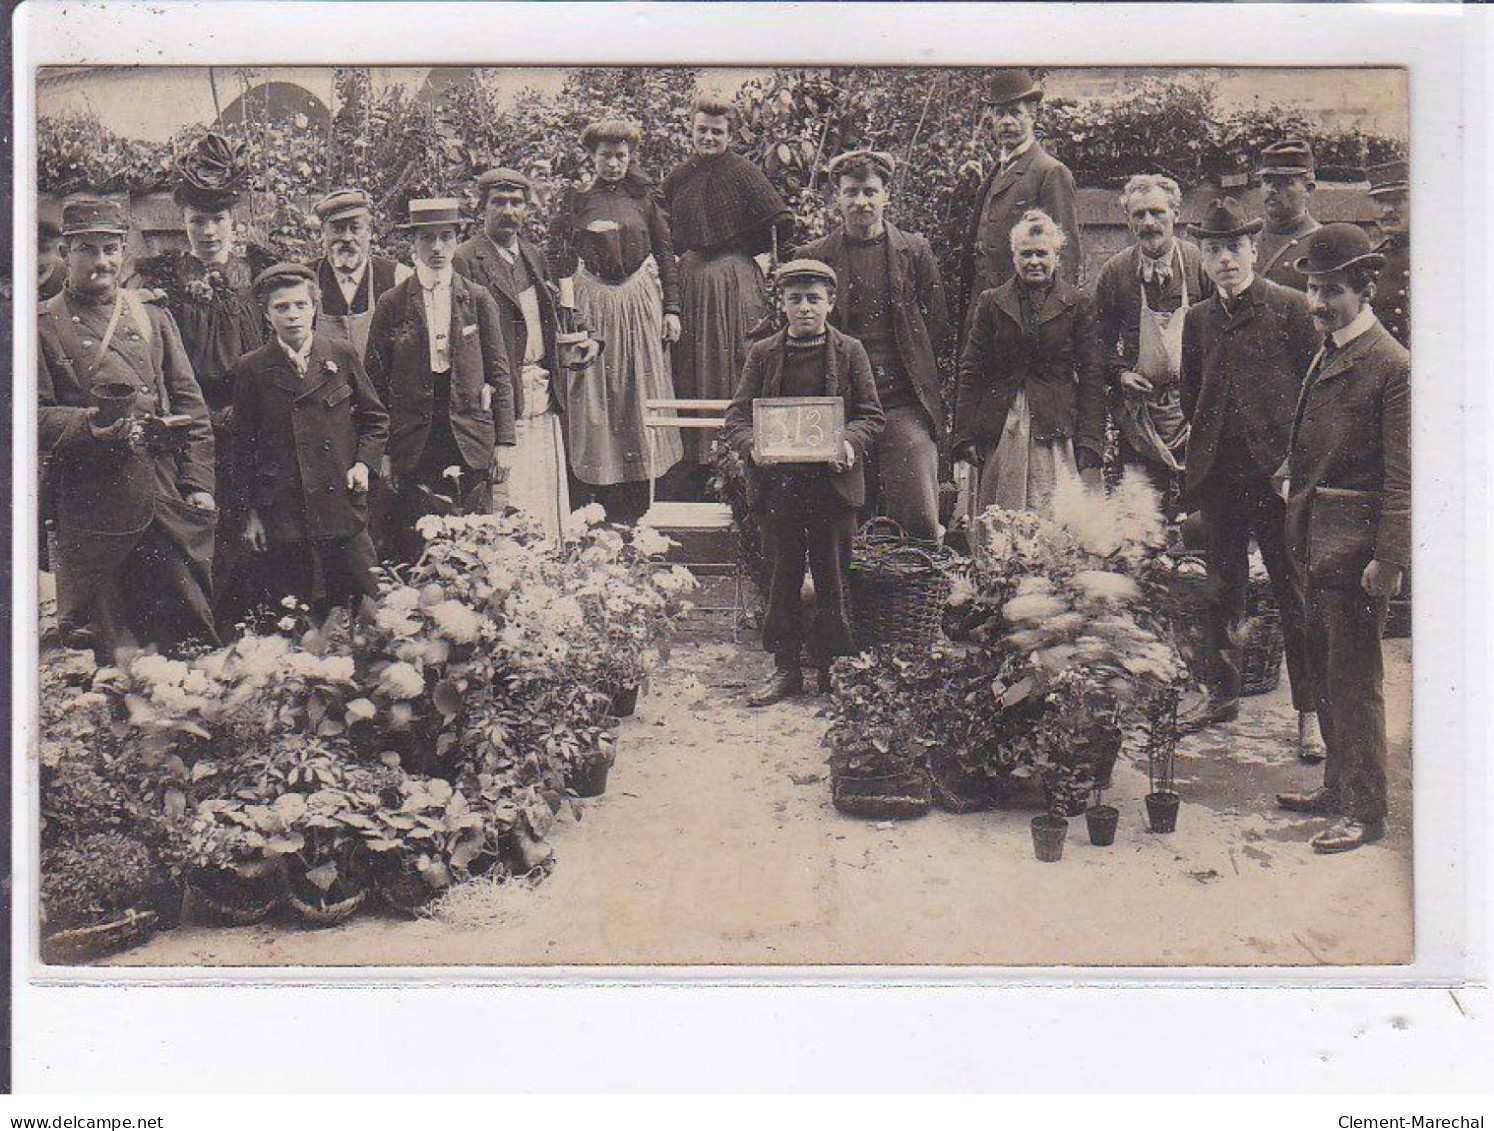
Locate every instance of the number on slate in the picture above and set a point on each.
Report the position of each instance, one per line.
(811, 422)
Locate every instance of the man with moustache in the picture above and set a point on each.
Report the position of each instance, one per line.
(1244, 353)
(128, 451)
(1141, 298)
(1288, 178)
(892, 301)
(349, 278)
(1348, 491)
(1025, 177)
(1390, 188)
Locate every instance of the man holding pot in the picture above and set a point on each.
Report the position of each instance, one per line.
(127, 449)
(1348, 491)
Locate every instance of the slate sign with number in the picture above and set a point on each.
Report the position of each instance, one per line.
(798, 429)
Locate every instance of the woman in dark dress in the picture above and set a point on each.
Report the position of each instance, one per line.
(613, 238)
(723, 213)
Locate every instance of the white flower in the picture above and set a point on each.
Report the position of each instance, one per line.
(649, 542)
(337, 669)
(401, 681)
(286, 624)
(360, 709)
(579, 520)
(405, 598)
(290, 603)
(456, 621)
(158, 670)
(396, 622)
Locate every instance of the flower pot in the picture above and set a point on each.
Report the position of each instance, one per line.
(1162, 811)
(589, 779)
(1102, 820)
(114, 401)
(625, 702)
(1047, 837)
(237, 899)
(86, 944)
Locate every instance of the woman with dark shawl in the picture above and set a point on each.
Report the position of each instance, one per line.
(723, 212)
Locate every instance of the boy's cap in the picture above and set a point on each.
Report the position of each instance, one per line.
(805, 269)
(283, 275)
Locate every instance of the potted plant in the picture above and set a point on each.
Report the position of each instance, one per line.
(95, 898)
(1102, 820)
(239, 852)
(1162, 798)
(423, 838)
(880, 755)
(1048, 832)
(326, 880)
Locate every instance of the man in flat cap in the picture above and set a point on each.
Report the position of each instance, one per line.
(1245, 350)
(1348, 489)
(127, 450)
(349, 277)
(808, 509)
(440, 363)
(308, 432)
(1390, 189)
(1288, 180)
(891, 299)
(1024, 177)
(514, 271)
(51, 260)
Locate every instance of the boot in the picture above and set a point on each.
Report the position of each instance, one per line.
(785, 683)
(1319, 802)
(1212, 711)
(1310, 747)
(1346, 834)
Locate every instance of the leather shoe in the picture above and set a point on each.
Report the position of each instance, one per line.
(1345, 835)
(785, 682)
(1310, 746)
(1319, 802)
(1209, 713)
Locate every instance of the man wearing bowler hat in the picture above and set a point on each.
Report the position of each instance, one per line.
(439, 362)
(1390, 188)
(1348, 491)
(127, 450)
(349, 277)
(1288, 180)
(1025, 177)
(1245, 350)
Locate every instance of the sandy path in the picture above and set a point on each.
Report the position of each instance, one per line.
(708, 849)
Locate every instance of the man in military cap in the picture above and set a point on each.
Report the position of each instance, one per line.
(1390, 188)
(1348, 491)
(51, 262)
(308, 432)
(128, 452)
(1024, 177)
(349, 277)
(440, 364)
(1288, 180)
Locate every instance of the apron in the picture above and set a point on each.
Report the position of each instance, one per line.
(1155, 427)
(352, 328)
(537, 482)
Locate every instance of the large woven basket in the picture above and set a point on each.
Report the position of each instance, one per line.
(899, 586)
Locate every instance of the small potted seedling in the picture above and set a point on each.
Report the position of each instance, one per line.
(1161, 753)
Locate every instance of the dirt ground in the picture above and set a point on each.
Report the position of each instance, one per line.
(716, 843)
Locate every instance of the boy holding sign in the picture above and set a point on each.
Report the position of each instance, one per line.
(808, 508)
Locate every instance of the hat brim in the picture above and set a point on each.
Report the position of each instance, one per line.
(1249, 229)
(345, 213)
(1370, 259)
(1389, 187)
(1031, 94)
(96, 230)
(457, 222)
(1285, 171)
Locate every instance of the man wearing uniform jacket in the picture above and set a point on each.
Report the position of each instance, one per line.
(1348, 490)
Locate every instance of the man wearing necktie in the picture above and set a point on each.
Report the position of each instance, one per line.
(1347, 482)
(349, 277)
(1025, 177)
(438, 358)
(1244, 353)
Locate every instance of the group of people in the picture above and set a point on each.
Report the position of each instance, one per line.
(281, 430)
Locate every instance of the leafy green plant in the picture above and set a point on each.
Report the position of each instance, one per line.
(93, 879)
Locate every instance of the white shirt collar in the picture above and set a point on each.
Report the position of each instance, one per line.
(429, 279)
(1360, 323)
(1013, 154)
(354, 277)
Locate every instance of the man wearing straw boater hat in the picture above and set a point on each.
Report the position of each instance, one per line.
(1288, 180)
(1024, 177)
(1390, 188)
(440, 364)
(1348, 491)
(127, 451)
(349, 277)
(1245, 350)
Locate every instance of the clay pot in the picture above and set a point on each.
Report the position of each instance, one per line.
(1162, 811)
(1102, 820)
(1047, 837)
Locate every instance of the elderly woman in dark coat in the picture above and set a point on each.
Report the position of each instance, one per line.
(1031, 399)
(723, 213)
(613, 238)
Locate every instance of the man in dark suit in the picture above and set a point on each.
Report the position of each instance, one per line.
(1025, 177)
(1348, 490)
(892, 301)
(1390, 189)
(1244, 353)
(808, 509)
(1288, 178)
(440, 364)
(308, 432)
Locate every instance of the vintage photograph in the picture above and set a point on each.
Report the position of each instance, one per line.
(753, 516)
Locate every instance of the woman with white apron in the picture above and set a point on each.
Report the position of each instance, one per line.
(1153, 424)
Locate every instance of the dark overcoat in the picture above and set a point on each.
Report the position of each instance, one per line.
(1061, 370)
(295, 439)
(1255, 359)
(1350, 462)
(477, 259)
(920, 313)
(848, 375)
(398, 364)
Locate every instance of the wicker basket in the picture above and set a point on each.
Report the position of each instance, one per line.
(1264, 642)
(899, 587)
(887, 797)
(85, 944)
